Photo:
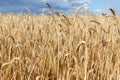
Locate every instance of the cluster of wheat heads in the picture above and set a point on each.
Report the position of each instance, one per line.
(60, 47)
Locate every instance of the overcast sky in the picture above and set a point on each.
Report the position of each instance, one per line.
(66, 6)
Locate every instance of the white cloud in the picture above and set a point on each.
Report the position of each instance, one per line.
(97, 10)
(65, 0)
(68, 5)
(57, 5)
(81, 1)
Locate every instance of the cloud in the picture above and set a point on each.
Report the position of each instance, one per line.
(97, 11)
(37, 6)
(16, 6)
(68, 5)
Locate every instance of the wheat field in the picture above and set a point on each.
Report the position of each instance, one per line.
(62, 47)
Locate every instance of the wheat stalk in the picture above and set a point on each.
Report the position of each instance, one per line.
(86, 57)
(77, 11)
(113, 12)
(12, 38)
(49, 6)
(95, 22)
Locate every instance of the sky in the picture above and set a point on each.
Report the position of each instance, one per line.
(64, 6)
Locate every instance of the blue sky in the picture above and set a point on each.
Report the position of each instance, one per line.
(66, 6)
